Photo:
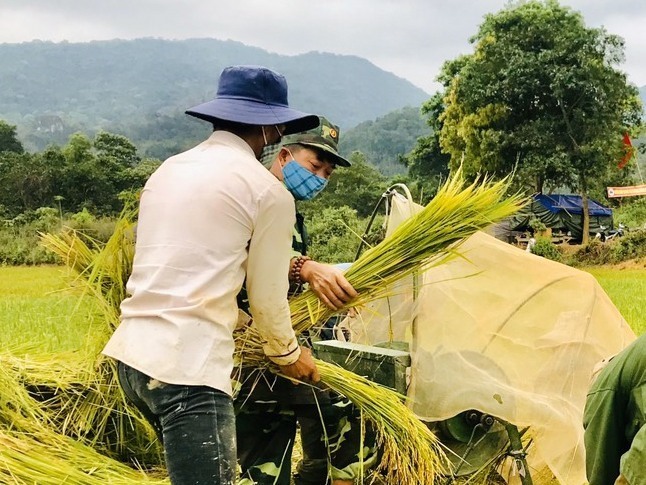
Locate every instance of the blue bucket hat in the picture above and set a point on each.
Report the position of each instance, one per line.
(254, 95)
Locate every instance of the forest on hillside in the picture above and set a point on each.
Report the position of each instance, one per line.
(137, 87)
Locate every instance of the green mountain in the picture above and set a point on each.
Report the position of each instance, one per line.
(386, 139)
(140, 88)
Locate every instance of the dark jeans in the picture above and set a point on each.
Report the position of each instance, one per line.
(195, 423)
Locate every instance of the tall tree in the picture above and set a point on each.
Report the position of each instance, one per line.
(427, 164)
(541, 95)
(9, 139)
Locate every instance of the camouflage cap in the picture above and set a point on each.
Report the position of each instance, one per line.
(324, 137)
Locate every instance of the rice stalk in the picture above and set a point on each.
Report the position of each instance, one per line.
(103, 270)
(96, 411)
(411, 453)
(47, 458)
(69, 396)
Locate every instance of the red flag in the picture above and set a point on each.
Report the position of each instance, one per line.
(629, 151)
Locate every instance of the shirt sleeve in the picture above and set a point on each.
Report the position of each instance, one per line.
(267, 275)
(632, 462)
(603, 421)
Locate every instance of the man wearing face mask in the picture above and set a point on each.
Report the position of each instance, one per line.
(208, 218)
(268, 408)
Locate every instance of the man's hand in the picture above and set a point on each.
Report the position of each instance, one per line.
(328, 283)
(303, 369)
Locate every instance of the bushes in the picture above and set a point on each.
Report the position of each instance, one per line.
(546, 249)
(630, 246)
(19, 237)
(633, 214)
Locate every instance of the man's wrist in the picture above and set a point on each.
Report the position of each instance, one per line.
(295, 273)
(287, 358)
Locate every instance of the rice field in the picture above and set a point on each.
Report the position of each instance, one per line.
(40, 309)
(627, 290)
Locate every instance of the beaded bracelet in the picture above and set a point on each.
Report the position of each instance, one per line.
(295, 273)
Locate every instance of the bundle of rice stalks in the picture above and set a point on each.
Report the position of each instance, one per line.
(103, 270)
(47, 458)
(95, 410)
(66, 395)
(411, 452)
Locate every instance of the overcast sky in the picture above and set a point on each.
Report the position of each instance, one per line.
(410, 38)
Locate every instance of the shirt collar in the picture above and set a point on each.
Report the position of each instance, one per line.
(227, 138)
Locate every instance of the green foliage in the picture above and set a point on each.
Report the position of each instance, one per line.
(19, 236)
(82, 174)
(140, 88)
(9, 139)
(427, 163)
(334, 235)
(631, 246)
(19, 243)
(541, 96)
(386, 140)
(632, 214)
(536, 225)
(546, 249)
(83, 219)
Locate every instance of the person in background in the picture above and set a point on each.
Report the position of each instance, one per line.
(615, 419)
(208, 218)
(268, 409)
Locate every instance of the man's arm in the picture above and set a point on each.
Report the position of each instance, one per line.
(267, 284)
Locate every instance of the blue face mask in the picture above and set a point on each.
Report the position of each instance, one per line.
(303, 184)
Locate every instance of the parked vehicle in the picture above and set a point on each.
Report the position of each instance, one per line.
(604, 234)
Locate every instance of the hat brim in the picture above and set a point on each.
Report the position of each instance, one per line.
(338, 159)
(254, 113)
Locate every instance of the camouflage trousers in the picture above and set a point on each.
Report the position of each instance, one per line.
(335, 442)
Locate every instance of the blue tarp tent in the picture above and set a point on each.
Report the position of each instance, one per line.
(571, 204)
(562, 213)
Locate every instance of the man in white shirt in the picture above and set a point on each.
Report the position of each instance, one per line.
(208, 218)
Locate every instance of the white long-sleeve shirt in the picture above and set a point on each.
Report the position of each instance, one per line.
(208, 217)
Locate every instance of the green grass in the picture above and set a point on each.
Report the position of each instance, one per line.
(627, 290)
(40, 310)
